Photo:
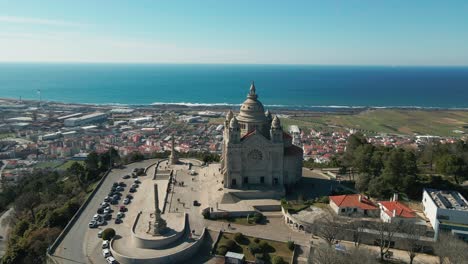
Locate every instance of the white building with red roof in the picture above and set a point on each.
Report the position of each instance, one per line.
(394, 211)
(353, 205)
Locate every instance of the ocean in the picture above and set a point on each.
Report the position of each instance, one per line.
(294, 87)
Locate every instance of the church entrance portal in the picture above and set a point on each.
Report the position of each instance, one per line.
(262, 179)
(246, 180)
(233, 182)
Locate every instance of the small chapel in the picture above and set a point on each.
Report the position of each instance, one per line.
(256, 150)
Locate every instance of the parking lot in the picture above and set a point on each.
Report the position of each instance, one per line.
(81, 244)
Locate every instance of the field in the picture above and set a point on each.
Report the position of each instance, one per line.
(394, 121)
(274, 247)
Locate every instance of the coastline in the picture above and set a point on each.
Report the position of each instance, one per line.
(223, 106)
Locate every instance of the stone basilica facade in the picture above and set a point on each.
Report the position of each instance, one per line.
(256, 150)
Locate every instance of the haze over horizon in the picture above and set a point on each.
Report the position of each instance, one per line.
(397, 33)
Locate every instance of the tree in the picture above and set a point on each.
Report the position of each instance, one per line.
(450, 249)
(78, 170)
(28, 201)
(453, 166)
(385, 234)
(92, 161)
(328, 228)
(411, 243)
(329, 255)
(108, 234)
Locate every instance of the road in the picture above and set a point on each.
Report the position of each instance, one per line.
(73, 249)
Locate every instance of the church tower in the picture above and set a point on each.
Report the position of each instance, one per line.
(276, 131)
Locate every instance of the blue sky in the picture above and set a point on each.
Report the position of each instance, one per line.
(325, 32)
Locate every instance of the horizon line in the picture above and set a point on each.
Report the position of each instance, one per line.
(236, 64)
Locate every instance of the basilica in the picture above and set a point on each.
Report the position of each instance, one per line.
(256, 150)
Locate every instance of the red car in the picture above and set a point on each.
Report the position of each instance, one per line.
(122, 208)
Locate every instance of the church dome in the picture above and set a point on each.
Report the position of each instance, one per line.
(252, 110)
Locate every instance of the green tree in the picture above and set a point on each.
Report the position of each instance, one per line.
(28, 201)
(108, 234)
(78, 170)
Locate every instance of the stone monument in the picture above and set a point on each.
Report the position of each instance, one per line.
(173, 159)
(159, 225)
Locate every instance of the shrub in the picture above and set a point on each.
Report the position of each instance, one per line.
(108, 234)
(277, 260)
(291, 245)
(263, 245)
(255, 248)
(229, 244)
(258, 217)
(259, 256)
(221, 250)
(256, 240)
(238, 237)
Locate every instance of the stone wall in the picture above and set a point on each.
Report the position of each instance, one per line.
(176, 257)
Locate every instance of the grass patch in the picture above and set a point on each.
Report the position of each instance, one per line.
(238, 220)
(68, 164)
(6, 135)
(49, 164)
(273, 248)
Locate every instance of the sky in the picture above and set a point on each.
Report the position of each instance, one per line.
(328, 32)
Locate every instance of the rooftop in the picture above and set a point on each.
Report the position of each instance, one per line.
(400, 209)
(448, 199)
(352, 200)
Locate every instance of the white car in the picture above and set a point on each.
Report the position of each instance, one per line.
(111, 260)
(105, 244)
(106, 253)
(107, 210)
(96, 217)
(99, 234)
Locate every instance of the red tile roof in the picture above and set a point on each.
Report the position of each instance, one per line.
(401, 210)
(248, 134)
(352, 200)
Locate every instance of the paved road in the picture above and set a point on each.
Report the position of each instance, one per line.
(73, 249)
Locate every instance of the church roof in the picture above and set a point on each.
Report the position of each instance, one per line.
(252, 111)
(248, 134)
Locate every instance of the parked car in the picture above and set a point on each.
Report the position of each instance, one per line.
(96, 217)
(118, 221)
(92, 224)
(196, 203)
(136, 181)
(104, 204)
(120, 215)
(106, 253)
(122, 184)
(115, 184)
(114, 201)
(107, 210)
(99, 234)
(134, 175)
(126, 201)
(107, 216)
(126, 176)
(105, 244)
(129, 196)
(100, 210)
(122, 208)
(132, 190)
(119, 188)
(134, 185)
(111, 260)
(107, 199)
(101, 222)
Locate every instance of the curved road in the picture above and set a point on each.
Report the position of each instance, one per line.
(72, 249)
